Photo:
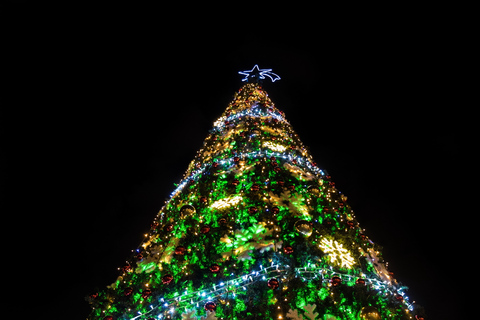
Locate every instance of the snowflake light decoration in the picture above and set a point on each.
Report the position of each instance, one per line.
(337, 253)
(226, 202)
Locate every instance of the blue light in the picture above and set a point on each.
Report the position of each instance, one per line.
(257, 73)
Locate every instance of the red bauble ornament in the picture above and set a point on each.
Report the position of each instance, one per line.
(252, 210)
(139, 256)
(180, 250)
(360, 282)
(350, 224)
(399, 298)
(146, 293)
(277, 169)
(291, 187)
(288, 249)
(255, 187)
(235, 182)
(166, 279)
(127, 268)
(203, 200)
(336, 281)
(281, 183)
(236, 159)
(214, 268)
(128, 292)
(275, 210)
(205, 229)
(273, 283)
(222, 221)
(108, 318)
(168, 228)
(154, 225)
(210, 306)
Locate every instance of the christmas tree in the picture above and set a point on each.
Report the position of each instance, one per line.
(255, 230)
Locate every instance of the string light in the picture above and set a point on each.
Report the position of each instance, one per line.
(250, 144)
(266, 273)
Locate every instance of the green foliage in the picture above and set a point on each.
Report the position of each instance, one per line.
(248, 197)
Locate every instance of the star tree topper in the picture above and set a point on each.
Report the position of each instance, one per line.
(258, 74)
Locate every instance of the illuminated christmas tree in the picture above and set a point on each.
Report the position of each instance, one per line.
(255, 230)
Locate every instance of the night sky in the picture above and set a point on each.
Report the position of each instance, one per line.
(123, 111)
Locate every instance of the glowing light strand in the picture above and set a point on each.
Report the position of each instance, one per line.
(256, 154)
(219, 124)
(264, 274)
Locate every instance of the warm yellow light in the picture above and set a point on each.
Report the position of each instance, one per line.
(274, 146)
(226, 202)
(337, 253)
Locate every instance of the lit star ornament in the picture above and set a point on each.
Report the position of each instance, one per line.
(258, 74)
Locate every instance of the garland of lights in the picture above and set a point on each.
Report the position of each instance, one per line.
(264, 274)
(253, 155)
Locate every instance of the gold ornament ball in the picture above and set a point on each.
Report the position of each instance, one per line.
(369, 313)
(304, 227)
(314, 190)
(187, 210)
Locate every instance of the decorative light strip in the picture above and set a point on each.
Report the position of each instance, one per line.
(253, 112)
(274, 271)
(257, 154)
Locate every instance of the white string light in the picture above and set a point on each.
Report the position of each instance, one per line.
(266, 273)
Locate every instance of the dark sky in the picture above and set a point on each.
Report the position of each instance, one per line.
(111, 115)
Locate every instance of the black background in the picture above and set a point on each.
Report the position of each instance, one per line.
(109, 106)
